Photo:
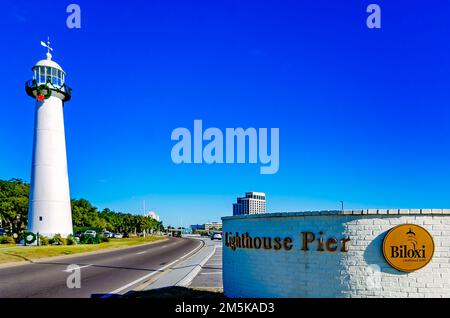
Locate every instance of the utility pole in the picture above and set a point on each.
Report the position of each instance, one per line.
(342, 206)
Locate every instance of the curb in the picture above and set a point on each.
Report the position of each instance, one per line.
(189, 277)
(140, 286)
(147, 283)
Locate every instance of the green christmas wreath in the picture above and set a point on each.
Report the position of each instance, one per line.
(40, 96)
(29, 237)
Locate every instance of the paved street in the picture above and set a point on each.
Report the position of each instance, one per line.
(114, 272)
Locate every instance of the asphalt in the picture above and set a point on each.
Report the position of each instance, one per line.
(101, 275)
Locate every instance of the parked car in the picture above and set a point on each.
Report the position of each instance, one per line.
(2, 232)
(216, 236)
(91, 232)
(107, 234)
(118, 235)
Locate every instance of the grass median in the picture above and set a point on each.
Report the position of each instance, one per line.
(12, 253)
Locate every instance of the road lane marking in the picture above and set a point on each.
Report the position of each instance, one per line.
(120, 289)
(80, 267)
(211, 273)
(141, 253)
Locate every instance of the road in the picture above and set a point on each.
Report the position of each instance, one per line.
(102, 274)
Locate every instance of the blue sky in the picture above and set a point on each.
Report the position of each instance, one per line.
(363, 114)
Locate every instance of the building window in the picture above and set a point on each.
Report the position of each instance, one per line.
(40, 218)
(43, 75)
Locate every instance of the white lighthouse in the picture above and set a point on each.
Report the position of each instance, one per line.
(49, 210)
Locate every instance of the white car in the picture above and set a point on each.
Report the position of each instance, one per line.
(91, 232)
(118, 235)
(216, 236)
(107, 234)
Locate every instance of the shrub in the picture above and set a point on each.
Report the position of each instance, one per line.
(71, 240)
(201, 232)
(43, 240)
(4, 239)
(57, 240)
(104, 239)
(89, 239)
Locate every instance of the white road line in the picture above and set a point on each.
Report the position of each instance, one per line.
(141, 253)
(71, 270)
(211, 273)
(118, 290)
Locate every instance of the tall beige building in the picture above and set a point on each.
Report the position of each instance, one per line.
(252, 203)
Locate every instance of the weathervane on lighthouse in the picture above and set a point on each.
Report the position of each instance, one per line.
(47, 45)
(49, 210)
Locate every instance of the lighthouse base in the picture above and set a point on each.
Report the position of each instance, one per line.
(49, 210)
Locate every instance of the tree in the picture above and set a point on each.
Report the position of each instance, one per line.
(14, 212)
(14, 205)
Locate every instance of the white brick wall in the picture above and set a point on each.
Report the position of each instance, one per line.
(361, 272)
